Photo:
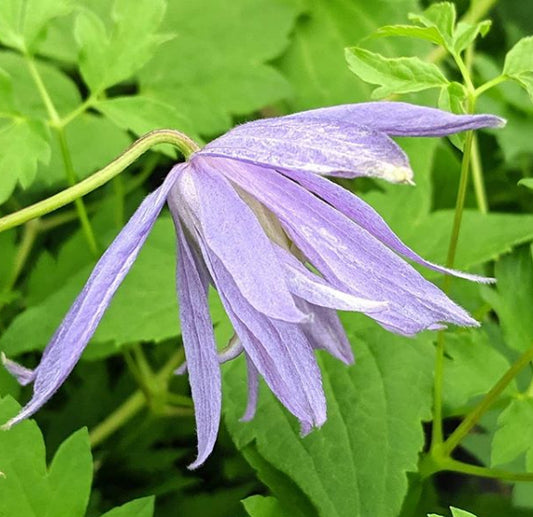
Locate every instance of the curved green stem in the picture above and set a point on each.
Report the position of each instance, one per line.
(139, 147)
(81, 210)
(489, 84)
(477, 178)
(137, 401)
(473, 417)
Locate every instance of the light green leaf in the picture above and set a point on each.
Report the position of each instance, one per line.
(315, 64)
(441, 15)
(137, 508)
(514, 435)
(357, 463)
(519, 64)
(511, 298)
(466, 33)
(473, 365)
(27, 487)
(23, 22)
(526, 182)
(456, 512)
(394, 75)
(7, 101)
(27, 100)
(24, 144)
(216, 66)
(143, 114)
(144, 308)
(411, 31)
(261, 506)
(110, 57)
(519, 59)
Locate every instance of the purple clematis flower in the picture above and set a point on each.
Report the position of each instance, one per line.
(252, 212)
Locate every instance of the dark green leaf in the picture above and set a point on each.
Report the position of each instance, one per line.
(394, 75)
(138, 508)
(356, 464)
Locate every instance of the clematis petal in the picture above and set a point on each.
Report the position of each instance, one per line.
(23, 375)
(200, 349)
(366, 217)
(400, 118)
(72, 336)
(332, 148)
(348, 256)
(253, 391)
(279, 350)
(326, 332)
(314, 289)
(232, 232)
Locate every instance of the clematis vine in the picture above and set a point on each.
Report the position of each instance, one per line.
(284, 247)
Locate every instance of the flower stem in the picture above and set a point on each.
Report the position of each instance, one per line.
(99, 178)
(473, 417)
(134, 403)
(79, 204)
(477, 177)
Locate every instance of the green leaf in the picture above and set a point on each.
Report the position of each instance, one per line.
(143, 114)
(411, 31)
(456, 512)
(373, 431)
(466, 375)
(441, 15)
(519, 64)
(514, 435)
(24, 144)
(23, 22)
(7, 101)
(511, 298)
(144, 308)
(108, 59)
(27, 487)
(466, 33)
(143, 507)
(314, 62)
(216, 66)
(394, 75)
(526, 182)
(261, 506)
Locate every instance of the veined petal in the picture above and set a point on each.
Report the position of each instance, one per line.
(253, 391)
(200, 349)
(366, 217)
(348, 256)
(325, 332)
(332, 148)
(232, 232)
(318, 291)
(279, 350)
(72, 336)
(400, 118)
(23, 375)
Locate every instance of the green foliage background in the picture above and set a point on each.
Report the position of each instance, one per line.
(115, 71)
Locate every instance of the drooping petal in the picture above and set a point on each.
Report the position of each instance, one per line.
(325, 332)
(253, 391)
(332, 148)
(279, 350)
(366, 217)
(400, 118)
(232, 232)
(72, 336)
(348, 256)
(200, 349)
(316, 290)
(23, 375)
